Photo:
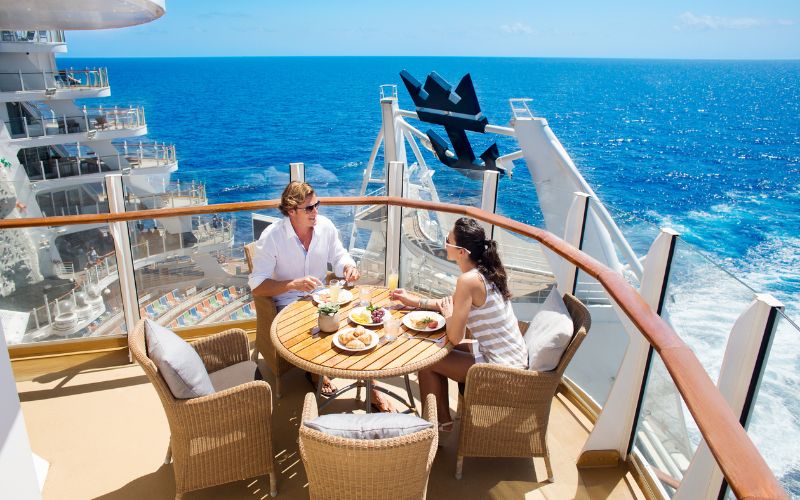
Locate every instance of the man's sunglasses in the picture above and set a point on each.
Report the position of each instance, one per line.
(310, 208)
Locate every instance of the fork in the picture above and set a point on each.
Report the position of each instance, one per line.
(435, 341)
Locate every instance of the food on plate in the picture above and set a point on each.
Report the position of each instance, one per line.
(355, 338)
(361, 316)
(425, 322)
(376, 313)
(356, 344)
(324, 297)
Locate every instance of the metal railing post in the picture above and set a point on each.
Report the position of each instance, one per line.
(394, 187)
(393, 149)
(297, 172)
(122, 247)
(491, 179)
(611, 440)
(21, 81)
(25, 126)
(743, 366)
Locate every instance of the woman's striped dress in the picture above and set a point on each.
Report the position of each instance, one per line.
(496, 331)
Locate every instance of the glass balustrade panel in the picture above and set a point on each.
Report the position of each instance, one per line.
(58, 282)
(702, 302)
(774, 423)
(665, 435)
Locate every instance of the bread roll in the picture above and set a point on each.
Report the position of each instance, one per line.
(355, 344)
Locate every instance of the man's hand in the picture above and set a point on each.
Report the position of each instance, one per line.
(304, 284)
(351, 273)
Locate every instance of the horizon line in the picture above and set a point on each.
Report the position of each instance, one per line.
(618, 58)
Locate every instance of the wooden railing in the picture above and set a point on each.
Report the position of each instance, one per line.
(740, 461)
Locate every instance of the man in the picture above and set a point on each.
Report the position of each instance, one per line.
(292, 255)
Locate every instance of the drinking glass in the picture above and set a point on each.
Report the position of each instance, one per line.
(364, 295)
(333, 289)
(391, 327)
(393, 280)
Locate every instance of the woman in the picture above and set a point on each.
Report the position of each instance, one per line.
(480, 303)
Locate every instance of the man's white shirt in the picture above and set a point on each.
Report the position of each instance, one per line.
(279, 255)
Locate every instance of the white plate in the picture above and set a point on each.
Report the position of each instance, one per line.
(341, 346)
(409, 319)
(345, 296)
(356, 310)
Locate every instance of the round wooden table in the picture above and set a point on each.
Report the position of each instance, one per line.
(297, 339)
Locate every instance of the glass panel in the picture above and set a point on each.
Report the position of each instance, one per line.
(425, 268)
(776, 410)
(702, 303)
(57, 282)
(191, 270)
(598, 361)
(517, 198)
(423, 259)
(666, 434)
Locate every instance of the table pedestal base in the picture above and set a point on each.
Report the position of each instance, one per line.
(410, 404)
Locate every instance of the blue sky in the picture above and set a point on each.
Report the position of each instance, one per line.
(713, 29)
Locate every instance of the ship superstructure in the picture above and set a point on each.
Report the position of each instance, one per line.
(56, 154)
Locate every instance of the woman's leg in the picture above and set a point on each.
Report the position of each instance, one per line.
(433, 380)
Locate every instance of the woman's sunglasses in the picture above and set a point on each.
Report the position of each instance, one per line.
(448, 244)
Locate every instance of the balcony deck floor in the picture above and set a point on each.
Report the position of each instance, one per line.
(102, 428)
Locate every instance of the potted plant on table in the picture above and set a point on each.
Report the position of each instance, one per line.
(328, 317)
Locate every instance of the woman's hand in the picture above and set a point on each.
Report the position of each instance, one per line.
(446, 307)
(401, 295)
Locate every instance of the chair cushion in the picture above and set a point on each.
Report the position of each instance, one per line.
(549, 334)
(231, 376)
(177, 362)
(368, 425)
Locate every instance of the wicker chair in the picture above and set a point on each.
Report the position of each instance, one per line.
(506, 410)
(355, 469)
(219, 438)
(265, 313)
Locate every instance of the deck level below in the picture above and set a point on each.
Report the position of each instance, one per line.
(99, 423)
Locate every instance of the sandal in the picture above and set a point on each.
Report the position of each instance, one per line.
(446, 427)
(329, 392)
(445, 431)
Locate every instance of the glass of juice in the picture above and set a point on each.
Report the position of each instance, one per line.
(393, 280)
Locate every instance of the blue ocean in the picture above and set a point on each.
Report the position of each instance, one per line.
(709, 148)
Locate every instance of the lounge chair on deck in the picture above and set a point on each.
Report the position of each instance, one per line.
(506, 410)
(389, 467)
(220, 437)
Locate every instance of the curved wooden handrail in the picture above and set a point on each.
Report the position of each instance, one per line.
(742, 465)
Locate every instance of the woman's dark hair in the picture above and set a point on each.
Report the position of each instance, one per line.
(471, 236)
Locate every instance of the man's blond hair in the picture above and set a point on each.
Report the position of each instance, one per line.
(294, 195)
